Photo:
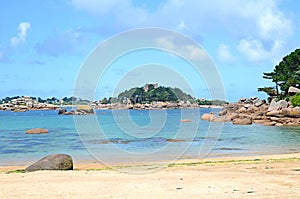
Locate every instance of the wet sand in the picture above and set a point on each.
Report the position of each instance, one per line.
(272, 176)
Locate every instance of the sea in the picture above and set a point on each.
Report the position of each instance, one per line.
(116, 136)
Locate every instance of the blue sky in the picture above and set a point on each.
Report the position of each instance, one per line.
(44, 43)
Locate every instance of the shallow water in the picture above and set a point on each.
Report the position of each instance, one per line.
(136, 135)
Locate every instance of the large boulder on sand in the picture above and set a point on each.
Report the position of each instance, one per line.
(37, 131)
(52, 162)
(242, 121)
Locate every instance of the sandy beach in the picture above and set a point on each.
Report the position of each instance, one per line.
(272, 176)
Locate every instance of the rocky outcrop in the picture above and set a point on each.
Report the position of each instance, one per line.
(291, 112)
(293, 90)
(207, 116)
(84, 111)
(223, 112)
(253, 110)
(52, 162)
(149, 106)
(62, 111)
(26, 103)
(37, 131)
(78, 111)
(242, 121)
(281, 104)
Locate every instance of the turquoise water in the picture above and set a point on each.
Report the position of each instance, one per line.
(114, 136)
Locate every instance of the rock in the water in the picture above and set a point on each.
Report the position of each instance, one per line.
(186, 120)
(207, 116)
(220, 119)
(37, 131)
(223, 112)
(52, 162)
(293, 90)
(242, 121)
(81, 110)
(269, 123)
(84, 111)
(278, 124)
(62, 111)
(281, 104)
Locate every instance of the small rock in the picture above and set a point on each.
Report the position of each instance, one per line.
(243, 121)
(259, 103)
(207, 116)
(269, 123)
(254, 98)
(243, 99)
(62, 111)
(37, 131)
(247, 106)
(218, 119)
(260, 121)
(242, 110)
(223, 112)
(186, 120)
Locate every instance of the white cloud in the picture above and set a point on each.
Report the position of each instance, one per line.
(254, 50)
(22, 34)
(273, 24)
(188, 51)
(245, 18)
(262, 21)
(166, 43)
(224, 54)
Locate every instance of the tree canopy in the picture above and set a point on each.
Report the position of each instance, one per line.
(284, 75)
(150, 93)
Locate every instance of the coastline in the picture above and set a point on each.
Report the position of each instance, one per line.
(93, 165)
(228, 177)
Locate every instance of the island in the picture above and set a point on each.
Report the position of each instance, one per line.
(149, 96)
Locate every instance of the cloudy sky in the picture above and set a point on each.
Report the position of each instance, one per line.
(43, 44)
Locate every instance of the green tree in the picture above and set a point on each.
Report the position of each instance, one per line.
(284, 75)
(104, 101)
(161, 93)
(296, 100)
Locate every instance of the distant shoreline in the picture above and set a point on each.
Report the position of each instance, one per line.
(117, 108)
